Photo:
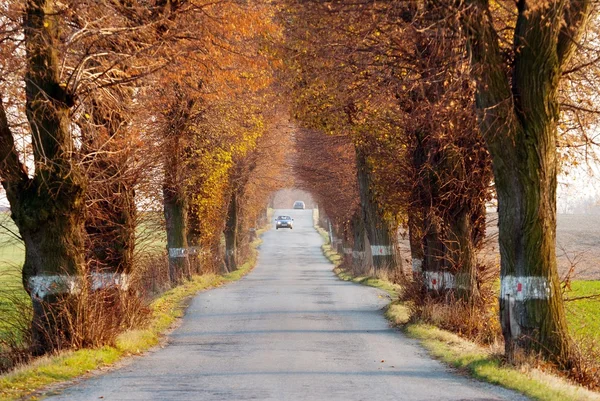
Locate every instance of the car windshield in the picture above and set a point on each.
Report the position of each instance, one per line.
(283, 218)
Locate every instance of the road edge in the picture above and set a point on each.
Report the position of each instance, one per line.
(53, 373)
(458, 353)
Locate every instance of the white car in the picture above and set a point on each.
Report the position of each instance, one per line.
(299, 205)
(284, 222)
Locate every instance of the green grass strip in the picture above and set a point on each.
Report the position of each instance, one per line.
(331, 255)
(473, 359)
(390, 288)
(324, 234)
(67, 365)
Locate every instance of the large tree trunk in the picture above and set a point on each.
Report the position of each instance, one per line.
(531, 308)
(240, 174)
(347, 244)
(175, 209)
(518, 118)
(460, 251)
(425, 208)
(359, 261)
(415, 239)
(194, 236)
(437, 278)
(379, 231)
(447, 158)
(111, 209)
(231, 234)
(49, 208)
(110, 228)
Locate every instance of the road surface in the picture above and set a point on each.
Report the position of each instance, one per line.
(290, 330)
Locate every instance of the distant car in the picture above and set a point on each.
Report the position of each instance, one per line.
(284, 222)
(299, 205)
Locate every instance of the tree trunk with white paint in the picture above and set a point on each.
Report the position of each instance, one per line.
(48, 209)
(175, 207)
(379, 231)
(415, 238)
(518, 116)
(111, 209)
(359, 261)
(347, 244)
(193, 239)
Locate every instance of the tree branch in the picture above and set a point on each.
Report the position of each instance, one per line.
(575, 17)
(12, 171)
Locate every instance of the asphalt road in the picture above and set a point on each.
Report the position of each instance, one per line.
(290, 330)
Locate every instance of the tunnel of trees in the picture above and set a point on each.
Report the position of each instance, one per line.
(123, 124)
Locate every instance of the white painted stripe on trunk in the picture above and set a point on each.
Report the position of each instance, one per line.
(178, 252)
(417, 265)
(381, 250)
(42, 286)
(107, 280)
(525, 287)
(439, 280)
(358, 254)
(347, 251)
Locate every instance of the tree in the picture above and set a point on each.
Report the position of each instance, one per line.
(390, 77)
(447, 158)
(48, 207)
(175, 198)
(518, 113)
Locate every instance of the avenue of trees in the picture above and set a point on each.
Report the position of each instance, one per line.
(445, 106)
(408, 115)
(114, 112)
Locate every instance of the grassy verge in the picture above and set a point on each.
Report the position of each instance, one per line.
(336, 259)
(486, 366)
(332, 255)
(477, 361)
(324, 235)
(390, 288)
(166, 309)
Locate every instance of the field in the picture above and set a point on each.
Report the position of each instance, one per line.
(13, 298)
(582, 305)
(577, 244)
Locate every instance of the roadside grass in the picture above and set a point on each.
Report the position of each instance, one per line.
(392, 289)
(332, 255)
(481, 362)
(336, 259)
(323, 234)
(483, 365)
(28, 380)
